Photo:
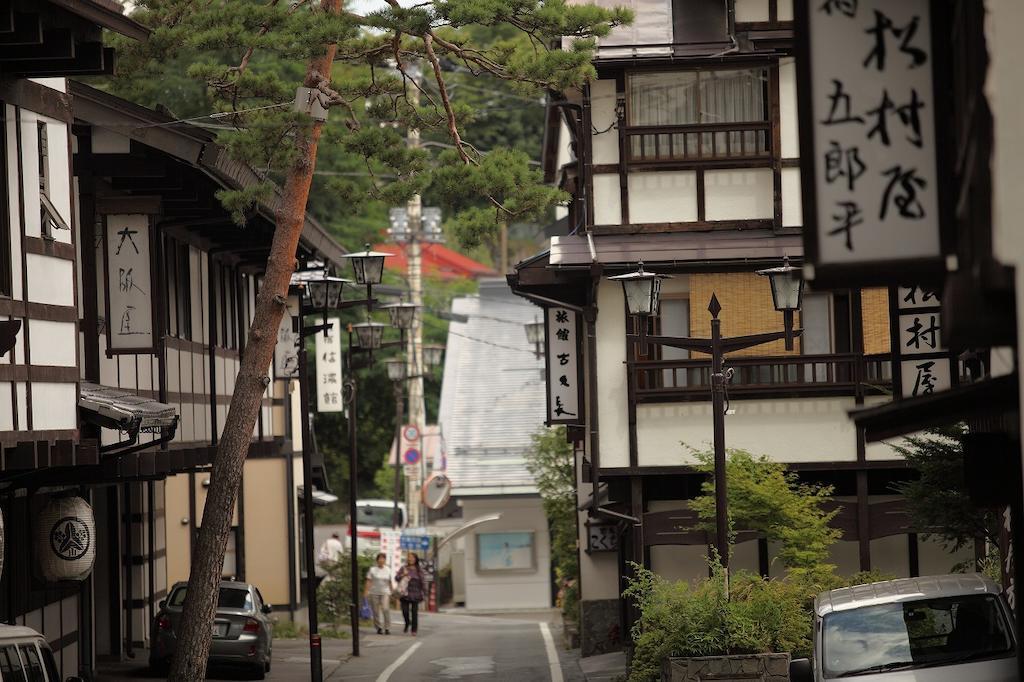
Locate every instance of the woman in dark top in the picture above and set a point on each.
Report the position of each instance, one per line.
(410, 589)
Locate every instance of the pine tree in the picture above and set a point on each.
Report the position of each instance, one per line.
(371, 58)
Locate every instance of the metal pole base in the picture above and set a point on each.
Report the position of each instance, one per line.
(316, 666)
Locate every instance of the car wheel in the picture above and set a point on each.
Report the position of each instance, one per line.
(266, 666)
(258, 673)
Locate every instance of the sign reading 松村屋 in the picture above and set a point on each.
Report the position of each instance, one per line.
(921, 364)
(871, 175)
(329, 369)
(562, 360)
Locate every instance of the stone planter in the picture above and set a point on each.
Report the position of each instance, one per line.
(760, 667)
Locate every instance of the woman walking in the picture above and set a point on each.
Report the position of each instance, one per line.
(410, 588)
(378, 590)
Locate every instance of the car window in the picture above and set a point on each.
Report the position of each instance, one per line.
(373, 515)
(913, 634)
(33, 665)
(10, 664)
(229, 598)
(50, 664)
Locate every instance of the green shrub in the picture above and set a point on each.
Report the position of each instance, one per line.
(334, 595)
(681, 619)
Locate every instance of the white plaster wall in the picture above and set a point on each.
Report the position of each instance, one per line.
(60, 84)
(751, 10)
(933, 559)
(6, 407)
(602, 117)
(680, 562)
(50, 280)
(607, 199)
(785, 10)
(13, 203)
(891, 555)
(738, 194)
(54, 406)
(501, 590)
(613, 420)
(53, 343)
(791, 431)
(792, 208)
(662, 197)
(21, 400)
(787, 109)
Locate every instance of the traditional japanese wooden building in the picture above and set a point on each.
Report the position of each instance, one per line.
(169, 284)
(684, 154)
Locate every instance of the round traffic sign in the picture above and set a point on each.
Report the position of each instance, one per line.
(437, 490)
(410, 432)
(412, 456)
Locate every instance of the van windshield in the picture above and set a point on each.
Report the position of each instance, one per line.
(913, 634)
(376, 515)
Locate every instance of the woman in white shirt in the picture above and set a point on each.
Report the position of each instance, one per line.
(379, 585)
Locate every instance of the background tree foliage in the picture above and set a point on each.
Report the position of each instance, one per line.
(550, 460)
(938, 500)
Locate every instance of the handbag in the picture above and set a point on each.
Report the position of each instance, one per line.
(364, 609)
(403, 587)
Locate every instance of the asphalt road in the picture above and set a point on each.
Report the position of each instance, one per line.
(454, 646)
(449, 646)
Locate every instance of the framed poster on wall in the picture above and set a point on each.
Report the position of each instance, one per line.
(505, 551)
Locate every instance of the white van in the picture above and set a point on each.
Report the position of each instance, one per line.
(372, 516)
(25, 655)
(949, 628)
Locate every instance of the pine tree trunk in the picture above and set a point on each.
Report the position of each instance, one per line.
(195, 631)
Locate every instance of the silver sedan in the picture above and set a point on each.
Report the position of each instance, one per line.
(242, 629)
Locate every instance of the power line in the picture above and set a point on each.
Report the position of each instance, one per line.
(490, 343)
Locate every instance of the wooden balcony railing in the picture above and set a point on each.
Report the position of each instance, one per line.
(698, 142)
(764, 377)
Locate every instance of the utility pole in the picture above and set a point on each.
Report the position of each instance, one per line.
(414, 354)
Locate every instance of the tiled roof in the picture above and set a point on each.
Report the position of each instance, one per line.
(492, 398)
(438, 261)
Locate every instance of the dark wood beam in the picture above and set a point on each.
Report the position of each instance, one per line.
(58, 43)
(91, 59)
(27, 29)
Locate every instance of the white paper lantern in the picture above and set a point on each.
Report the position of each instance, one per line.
(66, 539)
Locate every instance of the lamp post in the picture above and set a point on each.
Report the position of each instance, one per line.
(322, 293)
(642, 291)
(403, 316)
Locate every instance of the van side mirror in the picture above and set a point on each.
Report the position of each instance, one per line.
(267, 608)
(162, 604)
(800, 670)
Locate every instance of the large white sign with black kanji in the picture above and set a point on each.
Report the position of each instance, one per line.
(562, 359)
(329, 369)
(868, 118)
(129, 283)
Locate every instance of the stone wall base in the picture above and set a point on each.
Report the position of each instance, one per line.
(760, 667)
(599, 627)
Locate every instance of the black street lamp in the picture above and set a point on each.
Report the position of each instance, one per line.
(787, 293)
(642, 292)
(535, 335)
(322, 293)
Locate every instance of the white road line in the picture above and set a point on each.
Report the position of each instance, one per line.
(386, 675)
(549, 646)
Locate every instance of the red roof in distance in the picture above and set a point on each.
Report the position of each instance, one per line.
(438, 261)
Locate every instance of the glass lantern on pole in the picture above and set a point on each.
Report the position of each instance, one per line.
(369, 334)
(367, 265)
(642, 290)
(433, 354)
(396, 369)
(535, 335)
(787, 293)
(402, 315)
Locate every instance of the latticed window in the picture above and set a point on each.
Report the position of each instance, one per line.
(698, 115)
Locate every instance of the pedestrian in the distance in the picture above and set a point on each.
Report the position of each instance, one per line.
(379, 585)
(410, 591)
